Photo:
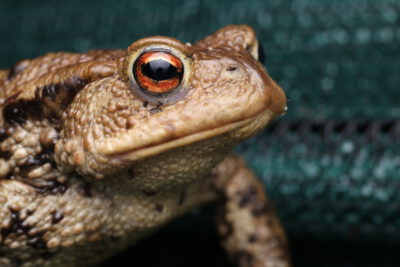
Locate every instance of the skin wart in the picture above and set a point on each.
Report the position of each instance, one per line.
(98, 150)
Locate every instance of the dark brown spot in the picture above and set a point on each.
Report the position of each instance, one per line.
(9, 176)
(182, 198)
(148, 192)
(17, 111)
(5, 155)
(15, 226)
(54, 119)
(29, 212)
(35, 161)
(231, 68)
(86, 188)
(52, 187)
(49, 100)
(259, 208)
(56, 216)
(129, 124)
(247, 197)
(37, 241)
(3, 134)
(57, 128)
(58, 188)
(252, 238)
(14, 113)
(56, 97)
(145, 103)
(131, 174)
(155, 110)
(49, 148)
(159, 207)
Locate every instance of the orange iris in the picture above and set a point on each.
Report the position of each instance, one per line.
(158, 71)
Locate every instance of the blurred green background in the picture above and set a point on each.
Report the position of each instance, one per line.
(331, 164)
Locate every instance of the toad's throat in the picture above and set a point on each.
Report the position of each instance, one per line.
(237, 130)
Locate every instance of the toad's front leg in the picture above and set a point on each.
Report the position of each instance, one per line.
(250, 229)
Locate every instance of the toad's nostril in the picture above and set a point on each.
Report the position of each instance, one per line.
(231, 68)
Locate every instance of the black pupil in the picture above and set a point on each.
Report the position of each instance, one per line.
(159, 70)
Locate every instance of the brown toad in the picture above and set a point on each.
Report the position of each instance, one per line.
(100, 149)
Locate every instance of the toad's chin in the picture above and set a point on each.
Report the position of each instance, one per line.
(237, 131)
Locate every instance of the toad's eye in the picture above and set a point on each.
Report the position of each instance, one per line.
(158, 72)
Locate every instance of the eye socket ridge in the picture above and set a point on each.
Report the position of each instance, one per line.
(158, 71)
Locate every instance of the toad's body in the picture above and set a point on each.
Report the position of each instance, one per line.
(99, 149)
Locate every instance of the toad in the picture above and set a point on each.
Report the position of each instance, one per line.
(100, 149)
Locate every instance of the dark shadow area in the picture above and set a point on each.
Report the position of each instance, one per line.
(179, 244)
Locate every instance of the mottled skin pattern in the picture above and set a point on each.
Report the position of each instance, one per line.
(87, 167)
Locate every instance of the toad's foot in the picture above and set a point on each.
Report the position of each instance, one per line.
(251, 232)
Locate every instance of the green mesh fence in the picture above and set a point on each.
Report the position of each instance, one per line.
(332, 179)
(332, 163)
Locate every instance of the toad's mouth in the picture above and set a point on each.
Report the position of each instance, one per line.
(238, 130)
